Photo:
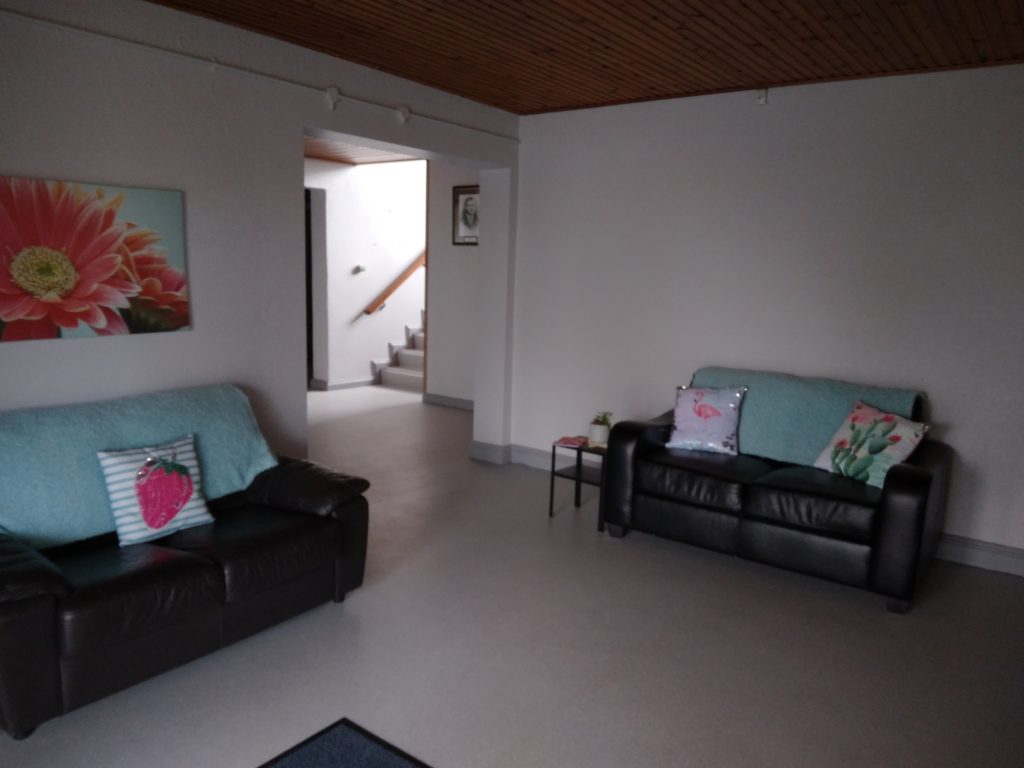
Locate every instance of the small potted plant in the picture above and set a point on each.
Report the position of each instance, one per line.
(599, 426)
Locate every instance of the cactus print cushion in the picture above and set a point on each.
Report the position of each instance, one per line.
(706, 419)
(868, 443)
(154, 491)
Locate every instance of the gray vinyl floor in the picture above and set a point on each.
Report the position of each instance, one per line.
(488, 636)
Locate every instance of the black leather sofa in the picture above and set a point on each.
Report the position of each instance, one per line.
(83, 620)
(795, 517)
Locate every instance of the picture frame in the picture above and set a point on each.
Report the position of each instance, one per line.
(465, 215)
(82, 259)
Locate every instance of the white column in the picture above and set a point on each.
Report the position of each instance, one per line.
(493, 370)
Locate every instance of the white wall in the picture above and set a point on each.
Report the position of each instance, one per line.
(452, 290)
(865, 230)
(83, 107)
(376, 217)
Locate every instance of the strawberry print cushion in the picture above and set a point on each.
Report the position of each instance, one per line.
(868, 443)
(154, 490)
(706, 419)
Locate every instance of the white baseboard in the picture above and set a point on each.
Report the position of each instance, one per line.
(541, 459)
(319, 385)
(490, 452)
(448, 402)
(531, 457)
(981, 554)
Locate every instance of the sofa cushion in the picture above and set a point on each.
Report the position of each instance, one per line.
(706, 419)
(869, 443)
(848, 562)
(789, 418)
(155, 490)
(693, 477)
(258, 547)
(813, 500)
(120, 593)
(703, 527)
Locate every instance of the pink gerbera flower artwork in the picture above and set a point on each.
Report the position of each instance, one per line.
(162, 301)
(66, 264)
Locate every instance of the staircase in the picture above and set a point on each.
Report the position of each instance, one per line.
(404, 367)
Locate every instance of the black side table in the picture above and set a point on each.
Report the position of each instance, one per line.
(580, 473)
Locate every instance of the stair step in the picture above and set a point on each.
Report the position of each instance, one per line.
(402, 378)
(411, 359)
(376, 366)
(393, 350)
(419, 340)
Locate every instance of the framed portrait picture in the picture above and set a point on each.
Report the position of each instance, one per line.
(465, 215)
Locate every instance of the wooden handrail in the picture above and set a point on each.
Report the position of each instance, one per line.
(395, 284)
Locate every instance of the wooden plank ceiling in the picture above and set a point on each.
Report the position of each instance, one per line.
(338, 151)
(532, 56)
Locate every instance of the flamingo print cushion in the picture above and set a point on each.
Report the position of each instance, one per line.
(706, 419)
(155, 490)
(869, 442)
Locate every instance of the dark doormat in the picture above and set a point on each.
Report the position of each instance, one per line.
(344, 745)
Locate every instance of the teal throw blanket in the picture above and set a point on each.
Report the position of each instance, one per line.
(792, 418)
(52, 490)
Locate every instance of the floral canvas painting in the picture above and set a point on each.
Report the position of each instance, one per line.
(88, 260)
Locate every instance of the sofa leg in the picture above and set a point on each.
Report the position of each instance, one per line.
(338, 598)
(897, 606)
(21, 735)
(616, 531)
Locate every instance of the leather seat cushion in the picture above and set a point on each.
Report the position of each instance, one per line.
(120, 593)
(703, 479)
(684, 522)
(847, 562)
(815, 500)
(258, 547)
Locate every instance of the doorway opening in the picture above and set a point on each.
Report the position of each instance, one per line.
(366, 272)
(415, 318)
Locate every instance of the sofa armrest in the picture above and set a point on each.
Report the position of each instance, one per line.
(935, 457)
(30, 586)
(302, 486)
(912, 512)
(30, 691)
(25, 573)
(617, 478)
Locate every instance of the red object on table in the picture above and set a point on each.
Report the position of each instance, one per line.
(576, 441)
